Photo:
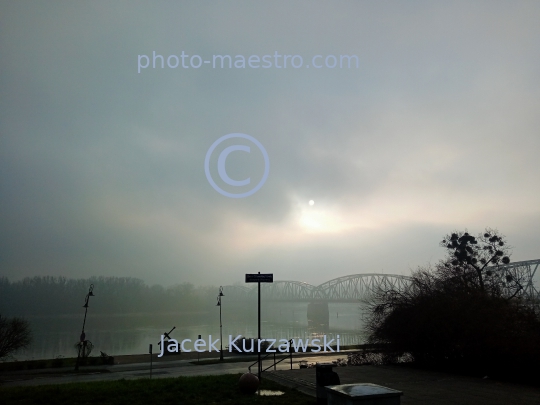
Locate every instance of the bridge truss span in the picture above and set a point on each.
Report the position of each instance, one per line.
(358, 287)
(286, 291)
(524, 273)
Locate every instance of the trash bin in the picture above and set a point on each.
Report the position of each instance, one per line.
(324, 376)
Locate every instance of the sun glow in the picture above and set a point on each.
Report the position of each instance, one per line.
(320, 220)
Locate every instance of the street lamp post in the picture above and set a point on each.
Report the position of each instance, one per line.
(83, 335)
(220, 324)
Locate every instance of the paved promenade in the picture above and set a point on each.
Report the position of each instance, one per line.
(420, 387)
(127, 369)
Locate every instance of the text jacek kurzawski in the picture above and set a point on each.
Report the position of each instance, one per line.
(250, 345)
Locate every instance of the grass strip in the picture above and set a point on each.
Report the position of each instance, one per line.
(199, 390)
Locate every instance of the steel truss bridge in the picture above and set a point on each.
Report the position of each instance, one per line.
(357, 287)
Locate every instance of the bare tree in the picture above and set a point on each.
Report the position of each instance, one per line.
(15, 334)
(474, 263)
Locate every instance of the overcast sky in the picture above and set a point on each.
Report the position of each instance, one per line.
(102, 167)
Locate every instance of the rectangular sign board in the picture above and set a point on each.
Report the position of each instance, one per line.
(260, 278)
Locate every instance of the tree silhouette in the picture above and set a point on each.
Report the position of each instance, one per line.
(15, 334)
(475, 261)
(465, 311)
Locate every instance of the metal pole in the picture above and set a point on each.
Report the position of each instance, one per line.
(258, 341)
(290, 352)
(81, 342)
(220, 333)
(150, 361)
(85, 312)
(198, 353)
(83, 337)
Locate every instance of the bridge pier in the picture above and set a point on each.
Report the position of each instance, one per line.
(318, 316)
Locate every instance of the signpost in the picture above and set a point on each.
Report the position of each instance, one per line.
(150, 351)
(198, 354)
(259, 278)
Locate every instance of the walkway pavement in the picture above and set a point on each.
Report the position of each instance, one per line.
(420, 387)
(165, 369)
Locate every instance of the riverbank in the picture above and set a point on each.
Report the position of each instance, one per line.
(169, 368)
(96, 361)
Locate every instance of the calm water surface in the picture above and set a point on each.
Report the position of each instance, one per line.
(115, 335)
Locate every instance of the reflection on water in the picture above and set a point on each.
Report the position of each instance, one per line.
(131, 334)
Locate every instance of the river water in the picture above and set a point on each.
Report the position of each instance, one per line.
(56, 336)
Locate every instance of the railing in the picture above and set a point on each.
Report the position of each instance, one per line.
(289, 356)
